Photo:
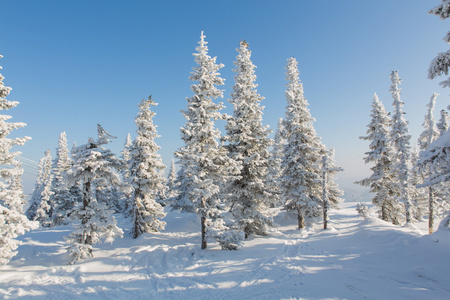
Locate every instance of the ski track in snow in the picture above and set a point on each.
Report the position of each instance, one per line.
(354, 259)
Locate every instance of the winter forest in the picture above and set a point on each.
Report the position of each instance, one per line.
(238, 213)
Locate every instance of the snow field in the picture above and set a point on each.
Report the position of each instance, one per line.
(355, 259)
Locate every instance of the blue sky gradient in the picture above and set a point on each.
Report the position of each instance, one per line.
(73, 64)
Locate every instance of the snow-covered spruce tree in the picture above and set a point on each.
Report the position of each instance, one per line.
(419, 196)
(275, 159)
(12, 220)
(172, 175)
(438, 155)
(92, 163)
(44, 211)
(145, 166)
(400, 140)
(171, 183)
(127, 148)
(300, 182)
(36, 196)
(75, 189)
(125, 199)
(62, 200)
(437, 159)
(205, 166)
(331, 193)
(429, 135)
(161, 197)
(248, 143)
(182, 200)
(442, 124)
(440, 64)
(380, 154)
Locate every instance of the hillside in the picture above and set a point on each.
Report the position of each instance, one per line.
(356, 259)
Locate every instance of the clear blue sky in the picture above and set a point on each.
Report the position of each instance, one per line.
(73, 64)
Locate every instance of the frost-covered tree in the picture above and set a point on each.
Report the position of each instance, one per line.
(44, 210)
(145, 166)
(124, 200)
(276, 157)
(93, 163)
(171, 182)
(13, 222)
(429, 135)
(419, 196)
(437, 158)
(400, 141)
(36, 195)
(62, 200)
(182, 200)
(331, 193)
(248, 143)
(380, 155)
(430, 132)
(300, 182)
(440, 64)
(435, 162)
(442, 124)
(127, 148)
(205, 166)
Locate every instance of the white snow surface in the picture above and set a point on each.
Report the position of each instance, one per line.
(355, 259)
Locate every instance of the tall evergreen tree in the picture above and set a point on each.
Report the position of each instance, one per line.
(45, 209)
(442, 124)
(93, 163)
(331, 193)
(36, 196)
(248, 143)
(145, 166)
(276, 157)
(125, 201)
(183, 200)
(171, 183)
(430, 132)
(380, 154)
(440, 64)
(13, 222)
(437, 159)
(419, 196)
(127, 148)
(62, 200)
(400, 141)
(205, 166)
(300, 182)
(429, 135)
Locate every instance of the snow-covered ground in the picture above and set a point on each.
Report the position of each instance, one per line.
(356, 259)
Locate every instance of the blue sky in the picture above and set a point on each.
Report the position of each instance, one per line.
(73, 64)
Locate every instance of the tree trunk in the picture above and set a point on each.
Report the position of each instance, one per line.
(204, 243)
(325, 215)
(301, 220)
(136, 223)
(430, 210)
(407, 201)
(86, 201)
(383, 211)
(86, 194)
(136, 213)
